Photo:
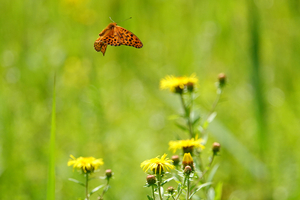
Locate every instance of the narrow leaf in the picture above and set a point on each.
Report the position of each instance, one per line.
(213, 172)
(76, 181)
(211, 194)
(96, 189)
(181, 127)
(149, 198)
(211, 117)
(218, 191)
(199, 188)
(166, 181)
(51, 165)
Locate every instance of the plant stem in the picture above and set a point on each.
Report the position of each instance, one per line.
(188, 188)
(87, 186)
(153, 192)
(105, 189)
(187, 115)
(158, 187)
(208, 167)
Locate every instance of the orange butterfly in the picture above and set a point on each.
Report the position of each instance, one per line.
(115, 35)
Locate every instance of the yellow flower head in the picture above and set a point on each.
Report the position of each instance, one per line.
(157, 165)
(186, 145)
(86, 164)
(178, 84)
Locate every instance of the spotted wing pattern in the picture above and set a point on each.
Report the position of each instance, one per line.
(100, 46)
(115, 36)
(121, 36)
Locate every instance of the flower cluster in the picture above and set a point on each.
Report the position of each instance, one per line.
(191, 171)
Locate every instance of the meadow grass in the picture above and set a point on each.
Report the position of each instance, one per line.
(111, 107)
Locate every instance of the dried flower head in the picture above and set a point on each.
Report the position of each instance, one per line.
(157, 165)
(86, 164)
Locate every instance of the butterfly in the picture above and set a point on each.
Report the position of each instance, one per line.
(115, 35)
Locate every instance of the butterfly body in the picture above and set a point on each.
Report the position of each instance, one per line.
(115, 35)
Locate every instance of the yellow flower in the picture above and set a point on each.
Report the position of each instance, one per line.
(86, 164)
(186, 145)
(158, 164)
(187, 160)
(178, 84)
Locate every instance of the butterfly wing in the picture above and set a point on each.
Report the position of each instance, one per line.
(115, 36)
(127, 38)
(100, 46)
(120, 36)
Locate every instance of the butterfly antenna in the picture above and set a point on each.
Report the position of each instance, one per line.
(111, 19)
(126, 19)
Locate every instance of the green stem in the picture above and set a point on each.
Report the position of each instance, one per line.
(219, 92)
(187, 115)
(158, 187)
(188, 188)
(153, 192)
(87, 186)
(179, 192)
(105, 189)
(208, 167)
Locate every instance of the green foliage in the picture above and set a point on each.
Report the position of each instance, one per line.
(111, 106)
(51, 165)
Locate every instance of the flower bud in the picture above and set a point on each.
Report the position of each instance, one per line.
(187, 170)
(222, 80)
(216, 148)
(190, 86)
(188, 161)
(175, 159)
(151, 179)
(108, 173)
(170, 190)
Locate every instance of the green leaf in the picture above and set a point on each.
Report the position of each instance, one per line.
(213, 172)
(51, 165)
(96, 189)
(199, 188)
(218, 191)
(166, 181)
(76, 181)
(211, 117)
(149, 198)
(181, 127)
(211, 194)
(179, 187)
(196, 120)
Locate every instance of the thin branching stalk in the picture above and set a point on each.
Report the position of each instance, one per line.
(87, 186)
(188, 188)
(179, 192)
(105, 189)
(187, 115)
(153, 195)
(158, 187)
(206, 170)
(219, 92)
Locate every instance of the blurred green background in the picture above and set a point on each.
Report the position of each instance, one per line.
(111, 107)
